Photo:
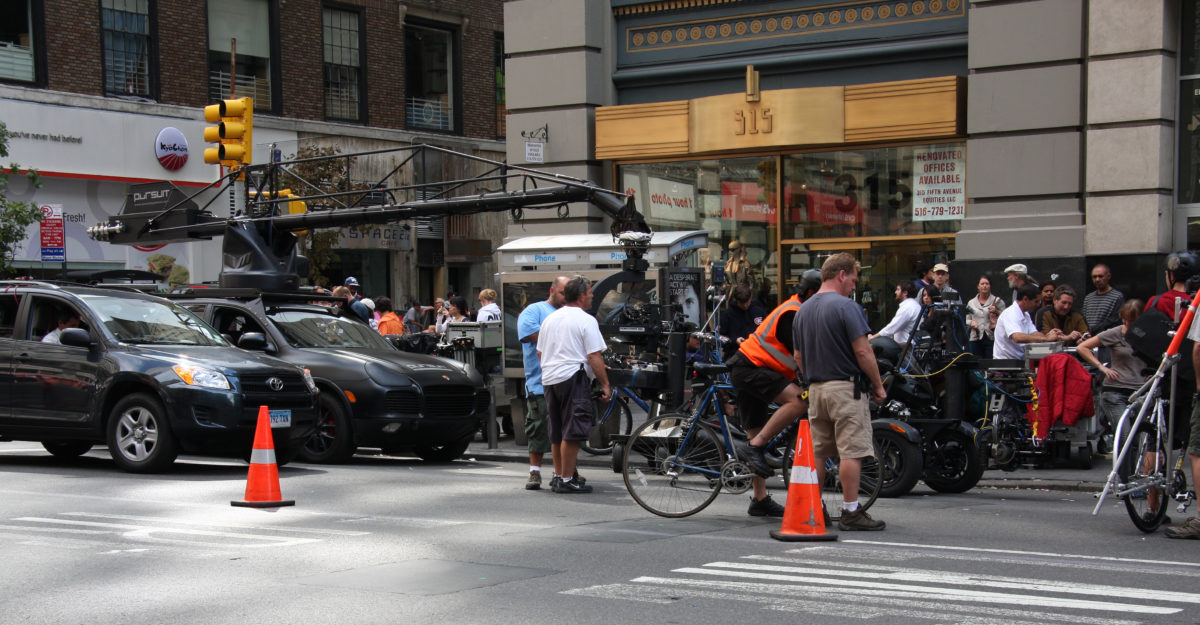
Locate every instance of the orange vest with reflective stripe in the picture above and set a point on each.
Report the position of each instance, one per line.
(764, 349)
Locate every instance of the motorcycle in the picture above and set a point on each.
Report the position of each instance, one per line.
(950, 457)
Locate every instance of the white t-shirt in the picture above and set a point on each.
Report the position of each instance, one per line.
(903, 323)
(567, 336)
(1011, 321)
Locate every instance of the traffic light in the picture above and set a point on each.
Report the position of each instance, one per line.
(235, 122)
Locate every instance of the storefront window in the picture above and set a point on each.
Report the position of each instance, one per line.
(890, 206)
(735, 200)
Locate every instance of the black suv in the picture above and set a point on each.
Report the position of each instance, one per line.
(372, 394)
(84, 365)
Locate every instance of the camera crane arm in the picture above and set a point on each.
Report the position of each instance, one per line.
(259, 249)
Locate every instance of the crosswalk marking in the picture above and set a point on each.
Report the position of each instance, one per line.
(823, 580)
(73, 527)
(1022, 553)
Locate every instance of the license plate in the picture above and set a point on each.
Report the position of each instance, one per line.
(280, 418)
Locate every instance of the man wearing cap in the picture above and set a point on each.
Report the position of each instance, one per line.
(1018, 276)
(352, 284)
(941, 279)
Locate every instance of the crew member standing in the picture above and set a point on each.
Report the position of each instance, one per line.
(529, 324)
(833, 354)
(569, 346)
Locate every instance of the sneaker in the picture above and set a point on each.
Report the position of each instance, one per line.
(764, 507)
(1188, 529)
(535, 481)
(859, 520)
(579, 479)
(756, 461)
(554, 482)
(572, 486)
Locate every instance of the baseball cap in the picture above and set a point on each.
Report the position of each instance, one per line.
(733, 245)
(369, 303)
(941, 267)
(1017, 268)
(350, 281)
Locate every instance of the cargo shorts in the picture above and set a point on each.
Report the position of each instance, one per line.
(840, 424)
(535, 425)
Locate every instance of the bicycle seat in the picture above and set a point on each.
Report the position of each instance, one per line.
(709, 369)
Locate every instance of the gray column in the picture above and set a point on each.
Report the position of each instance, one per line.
(1024, 116)
(558, 71)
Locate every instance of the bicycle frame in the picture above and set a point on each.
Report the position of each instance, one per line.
(1148, 394)
(710, 396)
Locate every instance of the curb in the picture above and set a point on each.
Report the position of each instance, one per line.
(604, 462)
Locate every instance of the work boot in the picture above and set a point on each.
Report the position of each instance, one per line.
(859, 520)
(756, 461)
(764, 507)
(535, 481)
(1188, 529)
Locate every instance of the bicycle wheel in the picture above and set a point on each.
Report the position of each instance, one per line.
(869, 484)
(669, 472)
(1145, 467)
(611, 418)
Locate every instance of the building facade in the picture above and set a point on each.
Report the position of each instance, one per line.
(90, 93)
(980, 133)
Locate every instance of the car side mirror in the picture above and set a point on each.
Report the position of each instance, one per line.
(252, 341)
(75, 337)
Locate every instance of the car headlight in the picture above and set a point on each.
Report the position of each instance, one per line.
(308, 381)
(199, 376)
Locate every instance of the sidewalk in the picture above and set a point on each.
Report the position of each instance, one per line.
(1059, 478)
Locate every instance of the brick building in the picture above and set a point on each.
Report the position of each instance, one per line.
(86, 92)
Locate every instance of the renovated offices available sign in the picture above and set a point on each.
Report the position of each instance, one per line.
(939, 183)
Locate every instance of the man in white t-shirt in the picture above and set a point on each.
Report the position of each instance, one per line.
(1015, 327)
(569, 346)
(900, 328)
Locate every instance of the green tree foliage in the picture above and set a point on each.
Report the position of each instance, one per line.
(14, 216)
(327, 175)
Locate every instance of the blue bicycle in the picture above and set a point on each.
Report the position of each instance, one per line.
(675, 465)
(613, 418)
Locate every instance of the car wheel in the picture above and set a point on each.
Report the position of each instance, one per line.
(443, 453)
(332, 442)
(67, 449)
(139, 436)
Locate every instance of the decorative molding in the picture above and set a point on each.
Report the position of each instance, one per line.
(664, 6)
(793, 23)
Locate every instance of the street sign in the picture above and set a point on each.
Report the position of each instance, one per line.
(53, 239)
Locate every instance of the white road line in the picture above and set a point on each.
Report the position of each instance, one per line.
(941, 594)
(825, 602)
(965, 579)
(301, 530)
(1024, 553)
(161, 534)
(897, 555)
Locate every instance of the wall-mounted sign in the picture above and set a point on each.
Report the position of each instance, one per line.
(939, 183)
(171, 148)
(535, 152)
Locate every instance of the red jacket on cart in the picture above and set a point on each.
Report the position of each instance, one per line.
(1064, 393)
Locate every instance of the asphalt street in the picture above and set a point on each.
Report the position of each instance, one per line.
(388, 539)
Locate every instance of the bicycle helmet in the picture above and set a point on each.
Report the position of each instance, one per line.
(1183, 266)
(810, 281)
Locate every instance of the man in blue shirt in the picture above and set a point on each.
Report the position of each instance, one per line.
(529, 323)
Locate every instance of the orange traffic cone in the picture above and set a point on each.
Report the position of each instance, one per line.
(803, 519)
(262, 483)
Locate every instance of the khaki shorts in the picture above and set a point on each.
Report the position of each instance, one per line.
(840, 424)
(535, 425)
